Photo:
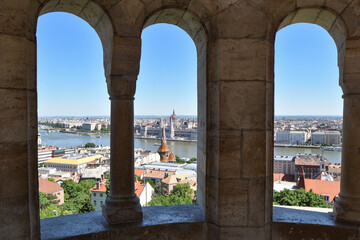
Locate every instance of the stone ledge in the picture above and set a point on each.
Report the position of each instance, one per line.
(82, 226)
(310, 223)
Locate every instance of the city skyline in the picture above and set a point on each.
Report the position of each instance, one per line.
(70, 69)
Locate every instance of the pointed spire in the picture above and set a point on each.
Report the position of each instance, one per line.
(173, 111)
(301, 183)
(163, 139)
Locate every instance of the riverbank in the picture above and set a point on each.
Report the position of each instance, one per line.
(325, 148)
(169, 140)
(86, 133)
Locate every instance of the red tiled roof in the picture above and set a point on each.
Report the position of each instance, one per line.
(139, 172)
(284, 177)
(102, 188)
(47, 187)
(321, 187)
(308, 160)
(159, 174)
(138, 188)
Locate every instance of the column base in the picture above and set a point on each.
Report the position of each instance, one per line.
(122, 210)
(347, 209)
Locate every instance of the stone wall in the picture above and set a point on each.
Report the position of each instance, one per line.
(235, 47)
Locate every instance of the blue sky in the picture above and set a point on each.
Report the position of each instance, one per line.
(71, 76)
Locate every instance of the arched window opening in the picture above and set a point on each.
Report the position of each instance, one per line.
(166, 121)
(73, 116)
(308, 123)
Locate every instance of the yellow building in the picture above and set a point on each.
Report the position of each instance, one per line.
(72, 163)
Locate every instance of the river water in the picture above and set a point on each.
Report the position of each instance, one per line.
(183, 149)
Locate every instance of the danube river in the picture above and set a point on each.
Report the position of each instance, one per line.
(183, 149)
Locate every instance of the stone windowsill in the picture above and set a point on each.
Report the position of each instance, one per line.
(310, 223)
(306, 215)
(88, 223)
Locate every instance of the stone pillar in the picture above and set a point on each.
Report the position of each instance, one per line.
(122, 205)
(347, 207)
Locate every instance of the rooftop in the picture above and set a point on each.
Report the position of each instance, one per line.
(74, 159)
(47, 187)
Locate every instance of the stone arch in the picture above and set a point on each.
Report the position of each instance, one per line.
(93, 14)
(191, 24)
(327, 19)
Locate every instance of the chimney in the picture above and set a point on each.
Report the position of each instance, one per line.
(102, 177)
(98, 186)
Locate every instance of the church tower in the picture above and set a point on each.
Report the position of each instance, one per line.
(163, 149)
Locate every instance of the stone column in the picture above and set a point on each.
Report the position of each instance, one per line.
(122, 205)
(347, 207)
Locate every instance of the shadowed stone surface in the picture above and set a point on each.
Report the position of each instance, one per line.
(71, 226)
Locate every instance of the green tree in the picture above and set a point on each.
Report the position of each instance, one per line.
(299, 198)
(192, 160)
(53, 210)
(77, 196)
(46, 199)
(182, 190)
(178, 159)
(51, 179)
(42, 165)
(172, 199)
(107, 174)
(90, 145)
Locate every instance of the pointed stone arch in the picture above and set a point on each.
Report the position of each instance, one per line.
(192, 25)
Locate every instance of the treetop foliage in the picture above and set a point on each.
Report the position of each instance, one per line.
(300, 198)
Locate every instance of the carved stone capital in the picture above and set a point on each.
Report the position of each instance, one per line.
(121, 87)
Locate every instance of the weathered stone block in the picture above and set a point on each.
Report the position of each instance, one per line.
(70, 6)
(338, 33)
(277, 9)
(14, 217)
(212, 153)
(325, 19)
(13, 155)
(128, 17)
(242, 233)
(242, 59)
(13, 66)
(257, 193)
(31, 81)
(242, 105)
(170, 16)
(251, 23)
(254, 152)
(269, 105)
(229, 154)
(127, 48)
(177, 3)
(307, 15)
(13, 117)
(190, 24)
(338, 5)
(212, 201)
(13, 18)
(14, 181)
(92, 13)
(152, 5)
(310, 3)
(233, 208)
